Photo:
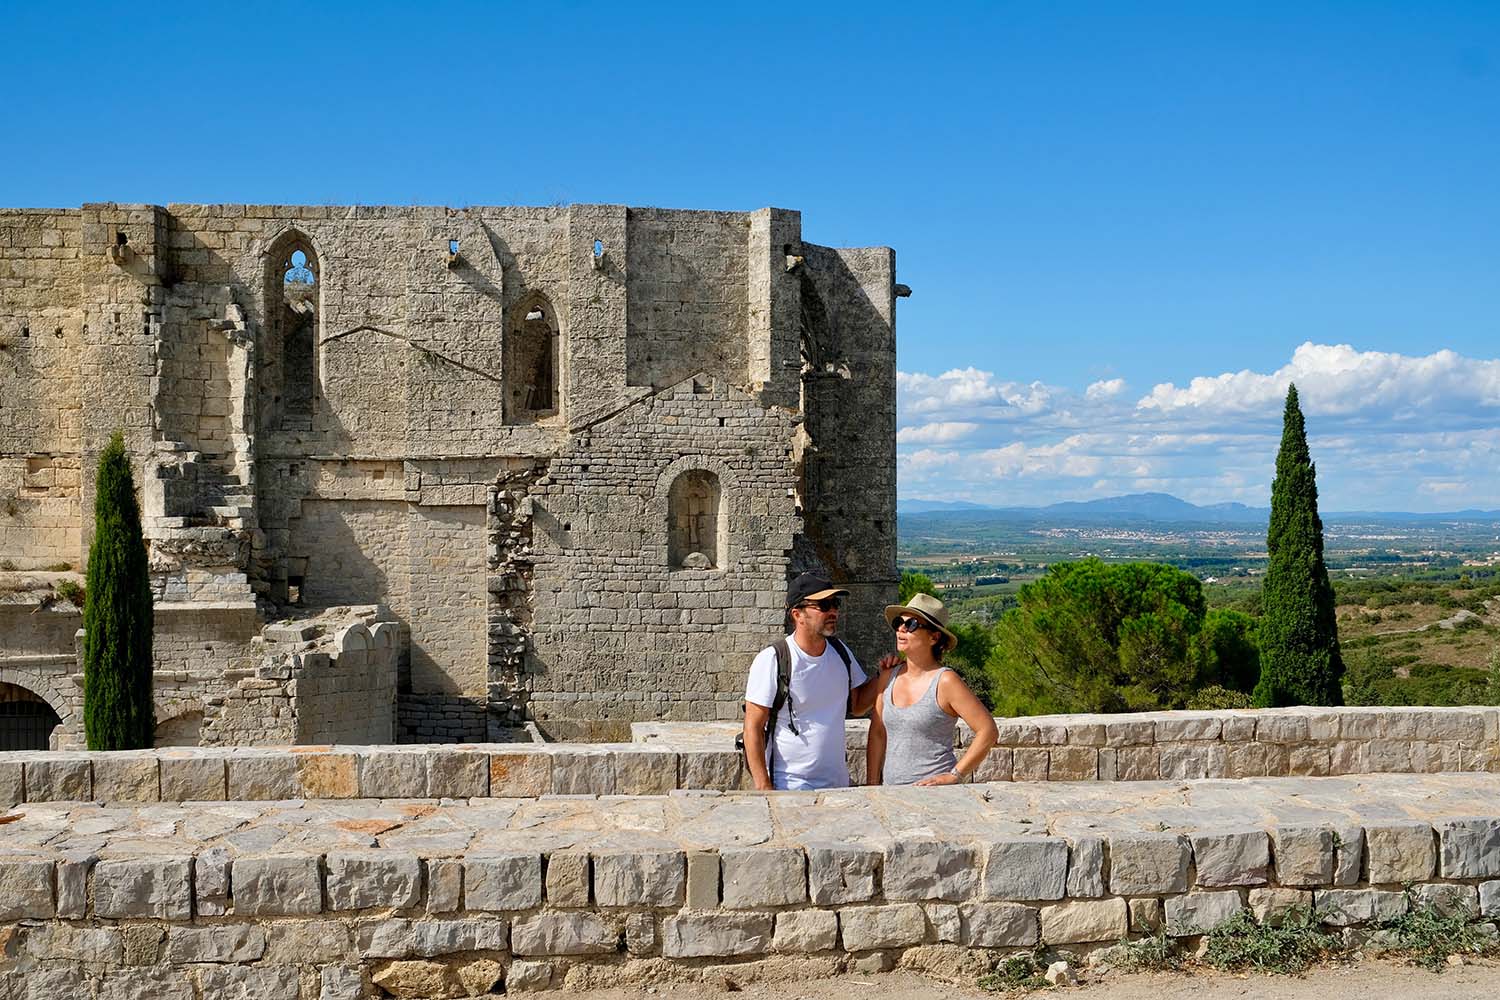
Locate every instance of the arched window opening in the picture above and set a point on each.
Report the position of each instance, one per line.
(531, 362)
(185, 730)
(26, 720)
(289, 356)
(695, 521)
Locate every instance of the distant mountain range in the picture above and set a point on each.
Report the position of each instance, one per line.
(1153, 507)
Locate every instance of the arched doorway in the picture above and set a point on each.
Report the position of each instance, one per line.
(26, 721)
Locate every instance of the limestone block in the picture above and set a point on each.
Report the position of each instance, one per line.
(1138, 764)
(457, 773)
(1146, 916)
(1344, 907)
(1304, 855)
(759, 877)
(1200, 912)
(702, 880)
(716, 770)
(361, 880)
(715, 935)
(1489, 898)
(997, 765)
(1148, 864)
(143, 887)
(503, 881)
(26, 890)
(565, 933)
(1281, 727)
(1470, 847)
(1177, 727)
(1022, 868)
(1269, 906)
(640, 878)
(1015, 733)
(126, 776)
(192, 778)
(392, 774)
(1085, 868)
(567, 881)
(1245, 760)
(417, 979)
(841, 873)
(1129, 732)
(524, 976)
(1237, 728)
(583, 772)
(1085, 920)
(1192, 760)
(1448, 898)
(1240, 857)
(59, 779)
(308, 942)
(1073, 764)
(72, 885)
(138, 984)
(945, 921)
(211, 882)
(328, 775)
(1400, 852)
(929, 869)
(222, 943)
(898, 925)
(341, 982)
(1348, 854)
(261, 777)
(645, 772)
(12, 784)
(276, 885)
(520, 773)
(640, 933)
(66, 942)
(401, 938)
(803, 932)
(1029, 763)
(996, 925)
(445, 885)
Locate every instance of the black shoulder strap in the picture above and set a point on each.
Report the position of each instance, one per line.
(783, 688)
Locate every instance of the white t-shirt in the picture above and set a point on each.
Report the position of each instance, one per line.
(812, 757)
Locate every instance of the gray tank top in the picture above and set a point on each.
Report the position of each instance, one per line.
(919, 738)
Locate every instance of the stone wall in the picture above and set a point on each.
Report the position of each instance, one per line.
(301, 900)
(341, 439)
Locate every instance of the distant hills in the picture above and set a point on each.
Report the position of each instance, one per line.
(1157, 507)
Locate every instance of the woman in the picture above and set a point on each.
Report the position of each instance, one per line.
(915, 717)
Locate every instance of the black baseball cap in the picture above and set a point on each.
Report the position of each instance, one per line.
(811, 587)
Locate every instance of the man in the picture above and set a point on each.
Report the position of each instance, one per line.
(824, 682)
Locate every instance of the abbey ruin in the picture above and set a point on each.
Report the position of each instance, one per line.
(431, 474)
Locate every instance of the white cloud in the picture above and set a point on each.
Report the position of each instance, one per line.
(941, 432)
(1387, 431)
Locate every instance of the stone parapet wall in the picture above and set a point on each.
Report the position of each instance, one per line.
(364, 899)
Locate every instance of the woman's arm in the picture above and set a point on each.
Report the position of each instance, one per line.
(875, 746)
(955, 698)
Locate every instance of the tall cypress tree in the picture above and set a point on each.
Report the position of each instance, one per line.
(1299, 640)
(117, 616)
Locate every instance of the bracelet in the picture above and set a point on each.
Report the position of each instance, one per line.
(956, 773)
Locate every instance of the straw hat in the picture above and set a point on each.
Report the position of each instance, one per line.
(925, 607)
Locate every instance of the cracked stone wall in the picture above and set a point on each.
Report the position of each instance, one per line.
(362, 467)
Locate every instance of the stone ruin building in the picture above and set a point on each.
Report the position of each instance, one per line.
(431, 474)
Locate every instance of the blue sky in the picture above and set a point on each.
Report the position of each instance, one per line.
(1126, 197)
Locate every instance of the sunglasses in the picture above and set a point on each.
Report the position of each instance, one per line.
(826, 604)
(910, 625)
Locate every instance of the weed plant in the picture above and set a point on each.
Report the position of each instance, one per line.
(1150, 954)
(1017, 973)
(1428, 936)
(1289, 946)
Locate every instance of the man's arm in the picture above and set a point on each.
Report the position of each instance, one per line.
(756, 717)
(862, 698)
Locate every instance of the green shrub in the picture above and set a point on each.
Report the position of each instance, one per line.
(117, 615)
(1019, 972)
(1427, 936)
(1157, 953)
(1289, 946)
(70, 592)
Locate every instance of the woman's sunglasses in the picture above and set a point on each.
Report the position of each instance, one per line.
(910, 625)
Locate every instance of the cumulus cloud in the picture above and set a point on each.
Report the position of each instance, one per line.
(1388, 431)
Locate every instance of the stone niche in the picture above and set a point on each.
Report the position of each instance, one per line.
(695, 521)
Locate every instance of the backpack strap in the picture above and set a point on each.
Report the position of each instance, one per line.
(846, 656)
(783, 688)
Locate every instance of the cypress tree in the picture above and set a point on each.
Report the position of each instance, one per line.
(117, 617)
(1299, 641)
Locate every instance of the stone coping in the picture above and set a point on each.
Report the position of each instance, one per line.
(419, 898)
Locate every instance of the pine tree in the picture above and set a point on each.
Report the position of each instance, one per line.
(1299, 642)
(117, 617)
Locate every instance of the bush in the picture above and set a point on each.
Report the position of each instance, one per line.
(70, 592)
(1428, 936)
(1286, 947)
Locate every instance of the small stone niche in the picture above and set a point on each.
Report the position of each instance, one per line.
(695, 521)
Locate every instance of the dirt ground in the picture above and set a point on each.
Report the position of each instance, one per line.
(1367, 980)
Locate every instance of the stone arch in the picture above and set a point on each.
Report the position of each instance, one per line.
(533, 361)
(179, 722)
(47, 692)
(288, 354)
(694, 498)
